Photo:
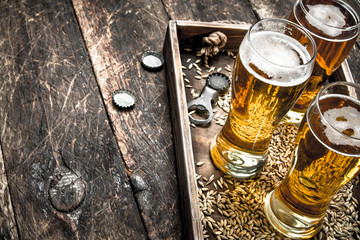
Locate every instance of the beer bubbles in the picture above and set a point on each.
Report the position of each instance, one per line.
(346, 122)
(321, 16)
(275, 59)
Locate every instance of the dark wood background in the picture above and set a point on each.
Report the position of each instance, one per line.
(73, 166)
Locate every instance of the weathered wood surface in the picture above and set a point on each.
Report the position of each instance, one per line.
(7, 221)
(115, 39)
(116, 34)
(75, 167)
(211, 10)
(64, 169)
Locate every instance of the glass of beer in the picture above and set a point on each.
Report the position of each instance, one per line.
(334, 25)
(274, 61)
(327, 156)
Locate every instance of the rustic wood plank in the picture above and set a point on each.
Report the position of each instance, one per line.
(116, 34)
(65, 172)
(212, 10)
(272, 8)
(7, 220)
(192, 228)
(354, 62)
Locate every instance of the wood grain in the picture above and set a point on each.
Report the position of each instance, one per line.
(272, 8)
(116, 35)
(211, 10)
(8, 228)
(72, 165)
(55, 133)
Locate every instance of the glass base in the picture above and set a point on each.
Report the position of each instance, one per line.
(293, 117)
(236, 163)
(288, 221)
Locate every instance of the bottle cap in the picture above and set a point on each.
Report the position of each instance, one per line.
(124, 98)
(152, 60)
(219, 82)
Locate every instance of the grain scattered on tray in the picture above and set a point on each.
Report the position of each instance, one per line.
(228, 69)
(211, 69)
(192, 112)
(229, 53)
(234, 209)
(199, 164)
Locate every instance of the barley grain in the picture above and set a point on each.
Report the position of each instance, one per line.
(239, 203)
(199, 164)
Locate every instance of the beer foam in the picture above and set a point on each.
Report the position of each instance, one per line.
(326, 18)
(279, 57)
(343, 119)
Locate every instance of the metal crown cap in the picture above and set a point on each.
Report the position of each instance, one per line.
(152, 61)
(124, 98)
(219, 82)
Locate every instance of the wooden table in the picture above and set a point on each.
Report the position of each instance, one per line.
(73, 166)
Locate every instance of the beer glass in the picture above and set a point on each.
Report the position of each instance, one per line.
(274, 61)
(327, 156)
(334, 25)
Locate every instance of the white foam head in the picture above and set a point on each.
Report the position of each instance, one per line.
(277, 55)
(327, 18)
(342, 119)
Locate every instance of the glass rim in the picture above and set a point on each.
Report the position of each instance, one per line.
(299, 27)
(317, 99)
(349, 28)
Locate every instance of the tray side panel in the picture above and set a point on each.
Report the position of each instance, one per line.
(192, 228)
(343, 73)
(190, 34)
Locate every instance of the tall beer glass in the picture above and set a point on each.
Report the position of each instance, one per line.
(274, 61)
(327, 156)
(334, 25)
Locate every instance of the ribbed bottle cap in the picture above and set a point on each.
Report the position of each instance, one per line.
(219, 82)
(152, 60)
(124, 98)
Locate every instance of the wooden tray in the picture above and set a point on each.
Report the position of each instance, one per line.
(192, 144)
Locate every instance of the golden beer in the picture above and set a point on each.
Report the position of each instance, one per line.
(270, 73)
(334, 26)
(327, 156)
